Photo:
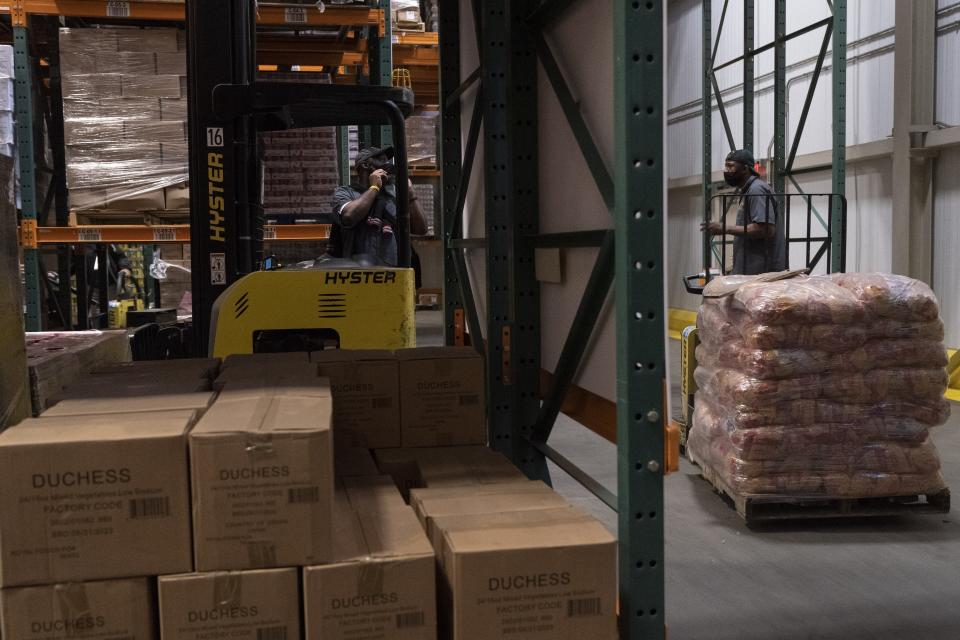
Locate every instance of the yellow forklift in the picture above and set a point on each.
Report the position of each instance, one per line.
(238, 305)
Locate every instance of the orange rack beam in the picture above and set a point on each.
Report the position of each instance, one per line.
(159, 234)
(144, 10)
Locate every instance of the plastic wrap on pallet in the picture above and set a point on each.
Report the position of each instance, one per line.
(124, 101)
(823, 386)
(426, 198)
(301, 166)
(422, 139)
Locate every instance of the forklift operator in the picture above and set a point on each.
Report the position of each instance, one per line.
(759, 238)
(366, 212)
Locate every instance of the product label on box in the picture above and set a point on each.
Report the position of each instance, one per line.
(372, 617)
(79, 505)
(540, 613)
(234, 623)
(253, 505)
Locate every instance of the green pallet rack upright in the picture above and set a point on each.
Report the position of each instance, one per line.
(510, 39)
(24, 103)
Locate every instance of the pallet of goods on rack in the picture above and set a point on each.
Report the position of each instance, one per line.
(159, 234)
(173, 11)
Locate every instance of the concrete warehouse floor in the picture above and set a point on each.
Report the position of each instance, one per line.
(862, 579)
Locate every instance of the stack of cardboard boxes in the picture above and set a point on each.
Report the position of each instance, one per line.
(212, 498)
(301, 171)
(57, 360)
(125, 113)
(8, 138)
(422, 139)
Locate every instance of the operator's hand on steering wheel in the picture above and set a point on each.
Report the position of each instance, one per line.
(378, 178)
(713, 228)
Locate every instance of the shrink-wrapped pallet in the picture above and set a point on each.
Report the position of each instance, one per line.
(125, 112)
(820, 386)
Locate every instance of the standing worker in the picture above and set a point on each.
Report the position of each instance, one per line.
(759, 236)
(366, 212)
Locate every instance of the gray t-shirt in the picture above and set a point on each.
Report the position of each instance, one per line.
(753, 256)
(374, 235)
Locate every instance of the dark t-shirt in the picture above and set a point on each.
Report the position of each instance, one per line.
(753, 256)
(374, 235)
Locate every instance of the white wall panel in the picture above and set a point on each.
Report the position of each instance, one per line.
(582, 44)
(946, 240)
(869, 85)
(948, 78)
(684, 34)
(684, 253)
(569, 199)
(473, 220)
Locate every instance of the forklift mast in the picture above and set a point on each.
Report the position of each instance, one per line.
(228, 107)
(226, 212)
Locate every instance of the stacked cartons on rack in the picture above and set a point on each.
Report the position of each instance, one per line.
(301, 171)
(57, 360)
(125, 112)
(8, 139)
(422, 139)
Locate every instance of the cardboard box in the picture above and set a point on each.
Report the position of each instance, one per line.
(93, 86)
(144, 391)
(107, 609)
(431, 504)
(177, 197)
(139, 63)
(537, 575)
(382, 583)
(446, 467)
(258, 360)
(172, 64)
(352, 462)
(366, 396)
(121, 404)
(205, 369)
(165, 131)
(157, 39)
(75, 131)
(241, 605)
(173, 109)
(262, 471)
(277, 375)
(89, 498)
(142, 86)
(443, 397)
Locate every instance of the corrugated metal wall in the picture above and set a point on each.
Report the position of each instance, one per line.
(581, 41)
(946, 240)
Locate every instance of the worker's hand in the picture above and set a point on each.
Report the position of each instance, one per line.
(713, 228)
(378, 178)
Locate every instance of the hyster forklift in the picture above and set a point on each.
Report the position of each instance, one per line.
(238, 307)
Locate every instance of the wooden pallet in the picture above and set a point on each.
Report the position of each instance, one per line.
(767, 508)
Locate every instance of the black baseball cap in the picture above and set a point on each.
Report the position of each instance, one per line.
(372, 152)
(744, 157)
